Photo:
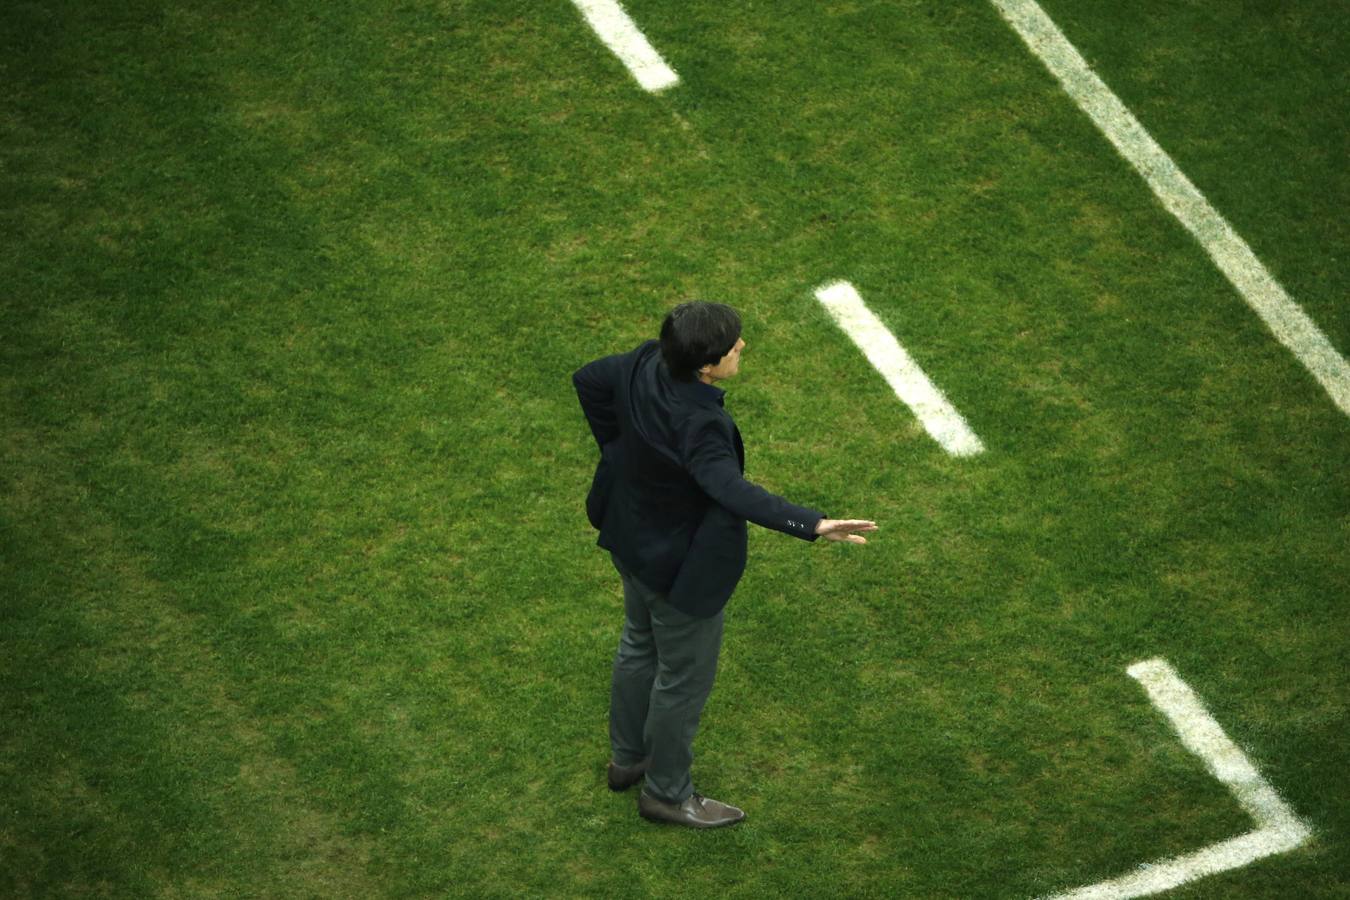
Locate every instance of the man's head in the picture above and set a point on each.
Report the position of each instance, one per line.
(702, 341)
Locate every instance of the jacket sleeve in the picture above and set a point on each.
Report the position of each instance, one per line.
(595, 383)
(710, 458)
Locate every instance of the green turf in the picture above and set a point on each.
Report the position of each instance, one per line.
(297, 596)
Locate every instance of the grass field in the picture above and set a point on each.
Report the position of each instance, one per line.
(297, 593)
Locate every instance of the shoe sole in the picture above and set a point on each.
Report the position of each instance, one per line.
(652, 817)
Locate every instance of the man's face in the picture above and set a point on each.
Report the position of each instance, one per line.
(726, 366)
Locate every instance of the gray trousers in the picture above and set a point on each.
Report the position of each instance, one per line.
(663, 674)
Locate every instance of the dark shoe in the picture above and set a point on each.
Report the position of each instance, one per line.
(696, 812)
(621, 778)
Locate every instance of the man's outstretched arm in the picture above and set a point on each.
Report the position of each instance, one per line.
(713, 464)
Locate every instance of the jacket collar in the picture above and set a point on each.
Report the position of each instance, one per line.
(695, 392)
(700, 393)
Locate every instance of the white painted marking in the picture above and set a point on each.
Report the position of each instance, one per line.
(1277, 828)
(901, 372)
(1230, 253)
(620, 35)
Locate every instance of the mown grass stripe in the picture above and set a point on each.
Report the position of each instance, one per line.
(1285, 318)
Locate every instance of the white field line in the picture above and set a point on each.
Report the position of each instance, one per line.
(620, 35)
(904, 376)
(1230, 253)
(1277, 828)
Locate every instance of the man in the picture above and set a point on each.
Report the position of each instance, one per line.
(671, 504)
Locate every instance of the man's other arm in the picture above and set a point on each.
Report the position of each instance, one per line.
(595, 383)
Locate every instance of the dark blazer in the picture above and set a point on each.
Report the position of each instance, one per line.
(669, 495)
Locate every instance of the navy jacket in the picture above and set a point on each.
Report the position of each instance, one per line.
(669, 495)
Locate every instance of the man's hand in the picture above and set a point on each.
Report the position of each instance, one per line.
(845, 529)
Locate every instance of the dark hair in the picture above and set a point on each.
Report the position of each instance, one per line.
(695, 334)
